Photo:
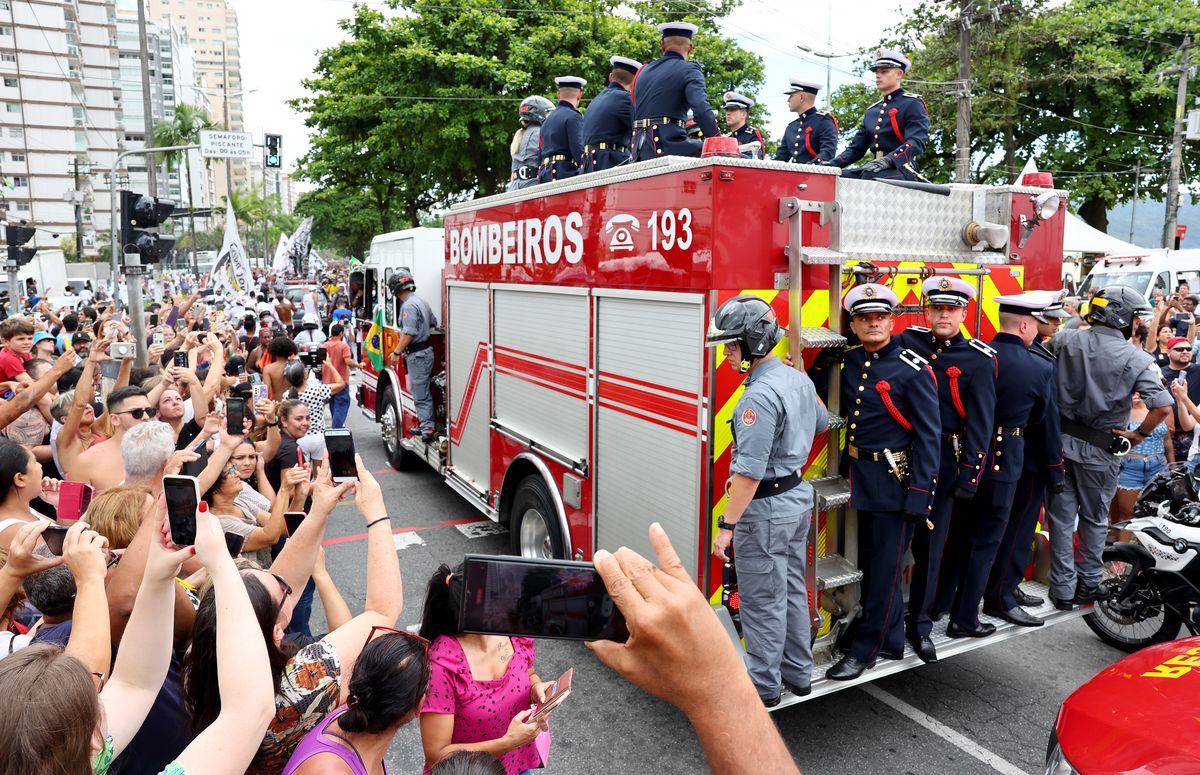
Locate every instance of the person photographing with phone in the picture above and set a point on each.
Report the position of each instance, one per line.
(481, 687)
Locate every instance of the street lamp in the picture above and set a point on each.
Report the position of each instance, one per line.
(827, 56)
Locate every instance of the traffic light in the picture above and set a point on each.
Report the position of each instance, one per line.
(17, 236)
(274, 158)
(139, 216)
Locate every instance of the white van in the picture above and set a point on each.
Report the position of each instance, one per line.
(1155, 269)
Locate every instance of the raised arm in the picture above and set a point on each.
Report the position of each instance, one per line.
(90, 641)
(27, 398)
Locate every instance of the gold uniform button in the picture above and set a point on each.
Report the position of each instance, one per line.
(856, 413)
(996, 468)
(861, 388)
(851, 438)
(858, 400)
(853, 426)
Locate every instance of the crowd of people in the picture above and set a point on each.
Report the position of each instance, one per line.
(198, 656)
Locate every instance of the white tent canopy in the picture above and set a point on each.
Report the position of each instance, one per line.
(1079, 237)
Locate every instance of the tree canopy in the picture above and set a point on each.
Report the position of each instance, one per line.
(416, 109)
(1074, 85)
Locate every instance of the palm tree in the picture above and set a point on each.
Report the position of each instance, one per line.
(183, 128)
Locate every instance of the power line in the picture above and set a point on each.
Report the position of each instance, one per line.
(1074, 120)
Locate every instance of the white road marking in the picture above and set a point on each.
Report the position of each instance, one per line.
(407, 539)
(481, 529)
(958, 740)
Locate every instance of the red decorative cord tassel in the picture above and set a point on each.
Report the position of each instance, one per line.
(895, 124)
(883, 388)
(954, 373)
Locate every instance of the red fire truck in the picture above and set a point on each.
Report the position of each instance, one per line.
(577, 400)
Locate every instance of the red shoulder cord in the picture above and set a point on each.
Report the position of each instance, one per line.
(954, 373)
(895, 124)
(807, 144)
(883, 388)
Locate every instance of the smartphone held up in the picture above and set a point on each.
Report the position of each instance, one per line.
(182, 494)
(339, 450)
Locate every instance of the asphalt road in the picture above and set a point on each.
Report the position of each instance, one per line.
(987, 711)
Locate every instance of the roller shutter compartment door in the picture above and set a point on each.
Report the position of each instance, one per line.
(470, 385)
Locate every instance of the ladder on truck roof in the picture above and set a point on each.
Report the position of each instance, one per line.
(873, 223)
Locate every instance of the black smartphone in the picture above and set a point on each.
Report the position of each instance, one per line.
(235, 416)
(339, 449)
(183, 498)
(154, 320)
(234, 543)
(53, 536)
(293, 519)
(538, 599)
(181, 359)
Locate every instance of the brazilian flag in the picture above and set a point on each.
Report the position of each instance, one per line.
(373, 344)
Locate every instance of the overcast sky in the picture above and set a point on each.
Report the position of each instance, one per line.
(280, 40)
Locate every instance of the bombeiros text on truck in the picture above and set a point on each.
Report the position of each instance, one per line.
(575, 400)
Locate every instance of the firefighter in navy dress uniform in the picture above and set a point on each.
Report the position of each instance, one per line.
(562, 133)
(812, 138)
(769, 504)
(737, 111)
(526, 145)
(893, 131)
(892, 444)
(966, 384)
(663, 92)
(608, 123)
(1003, 598)
(1026, 395)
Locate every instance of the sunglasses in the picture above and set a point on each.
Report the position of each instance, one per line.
(379, 628)
(1181, 349)
(99, 681)
(137, 414)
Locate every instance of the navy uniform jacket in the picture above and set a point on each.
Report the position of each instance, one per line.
(812, 136)
(773, 424)
(562, 134)
(748, 134)
(1026, 395)
(609, 120)
(907, 380)
(966, 383)
(897, 126)
(666, 88)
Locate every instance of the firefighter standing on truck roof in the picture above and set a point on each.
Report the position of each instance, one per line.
(812, 137)
(1098, 370)
(893, 440)
(662, 93)
(1025, 396)
(526, 146)
(966, 385)
(562, 133)
(416, 318)
(608, 124)
(1003, 598)
(750, 141)
(894, 130)
(769, 504)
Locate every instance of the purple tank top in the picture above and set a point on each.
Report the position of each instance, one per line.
(315, 742)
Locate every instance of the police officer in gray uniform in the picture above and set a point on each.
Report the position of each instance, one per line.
(416, 318)
(769, 504)
(1098, 371)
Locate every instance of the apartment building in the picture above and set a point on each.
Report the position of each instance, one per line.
(60, 114)
(212, 28)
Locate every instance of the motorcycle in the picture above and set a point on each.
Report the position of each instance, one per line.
(1154, 579)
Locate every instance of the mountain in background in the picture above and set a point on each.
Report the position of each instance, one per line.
(1147, 229)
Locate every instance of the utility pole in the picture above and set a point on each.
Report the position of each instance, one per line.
(1137, 189)
(225, 108)
(144, 55)
(1177, 128)
(78, 198)
(962, 130)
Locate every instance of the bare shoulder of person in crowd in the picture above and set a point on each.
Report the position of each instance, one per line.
(669, 622)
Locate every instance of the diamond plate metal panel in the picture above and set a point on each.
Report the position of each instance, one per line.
(813, 336)
(880, 220)
(836, 571)
(823, 256)
(831, 492)
(836, 421)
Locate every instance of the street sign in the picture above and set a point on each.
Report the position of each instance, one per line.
(1180, 231)
(216, 144)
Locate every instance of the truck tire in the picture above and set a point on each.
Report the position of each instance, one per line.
(533, 525)
(391, 430)
(1143, 621)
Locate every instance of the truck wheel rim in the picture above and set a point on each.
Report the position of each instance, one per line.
(535, 535)
(388, 429)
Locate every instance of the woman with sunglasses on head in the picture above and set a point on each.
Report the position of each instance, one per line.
(387, 688)
(480, 687)
(311, 681)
